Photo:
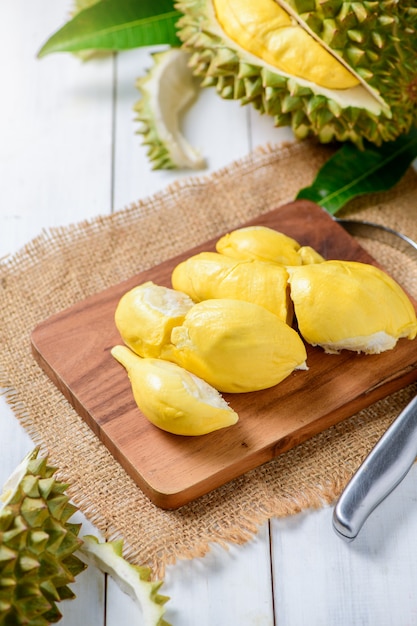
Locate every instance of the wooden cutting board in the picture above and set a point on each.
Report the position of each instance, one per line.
(73, 347)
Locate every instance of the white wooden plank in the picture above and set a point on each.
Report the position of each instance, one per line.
(55, 128)
(320, 580)
(223, 588)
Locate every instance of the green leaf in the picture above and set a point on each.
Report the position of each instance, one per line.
(117, 25)
(352, 172)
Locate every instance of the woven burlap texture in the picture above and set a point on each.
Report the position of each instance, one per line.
(65, 265)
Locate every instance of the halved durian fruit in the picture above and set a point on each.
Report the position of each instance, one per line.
(342, 71)
(350, 305)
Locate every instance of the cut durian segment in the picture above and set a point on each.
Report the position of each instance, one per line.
(167, 89)
(146, 314)
(266, 30)
(266, 244)
(134, 580)
(212, 275)
(235, 346)
(347, 305)
(172, 398)
(37, 544)
(309, 255)
(375, 41)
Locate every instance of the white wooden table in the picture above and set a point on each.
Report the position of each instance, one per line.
(68, 151)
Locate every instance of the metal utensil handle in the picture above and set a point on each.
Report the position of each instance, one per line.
(381, 233)
(383, 469)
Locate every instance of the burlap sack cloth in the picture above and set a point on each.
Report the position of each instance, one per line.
(65, 265)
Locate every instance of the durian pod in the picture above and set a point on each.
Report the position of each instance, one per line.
(235, 346)
(350, 305)
(146, 314)
(211, 275)
(172, 398)
(261, 243)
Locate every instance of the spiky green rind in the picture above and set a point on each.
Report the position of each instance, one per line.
(134, 580)
(378, 40)
(388, 65)
(37, 545)
(167, 147)
(158, 152)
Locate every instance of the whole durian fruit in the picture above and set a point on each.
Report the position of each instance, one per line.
(37, 545)
(344, 71)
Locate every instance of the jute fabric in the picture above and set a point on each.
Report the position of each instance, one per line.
(65, 265)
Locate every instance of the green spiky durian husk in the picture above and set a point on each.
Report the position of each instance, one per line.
(37, 545)
(378, 40)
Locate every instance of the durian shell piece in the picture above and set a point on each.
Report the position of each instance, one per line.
(37, 545)
(167, 90)
(134, 580)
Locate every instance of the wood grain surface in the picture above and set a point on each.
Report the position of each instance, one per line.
(73, 347)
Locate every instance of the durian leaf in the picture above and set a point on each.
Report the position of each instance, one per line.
(117, 25)
(351, 172)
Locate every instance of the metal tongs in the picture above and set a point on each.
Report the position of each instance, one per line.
(394, 454)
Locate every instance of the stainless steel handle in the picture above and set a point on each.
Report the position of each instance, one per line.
(383, 469)
(387, 235)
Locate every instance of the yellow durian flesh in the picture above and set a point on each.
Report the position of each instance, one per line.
(309, 255)
(269, 32)
(350, 305)
(146, 314)
(261, 243)
(236, 346)
(211, 275)
(172, 398)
